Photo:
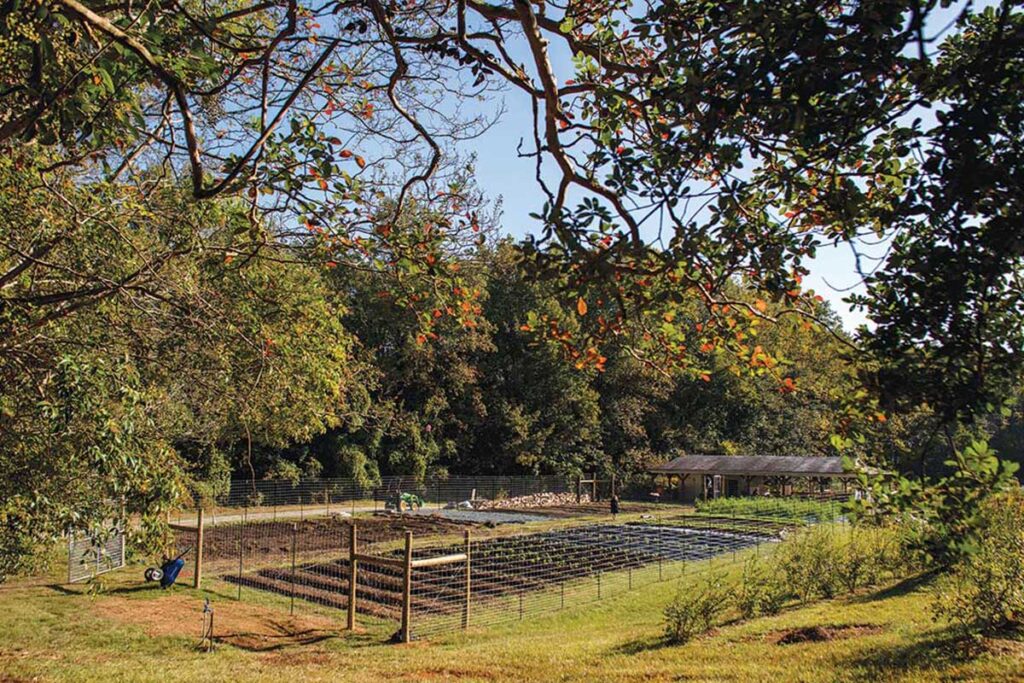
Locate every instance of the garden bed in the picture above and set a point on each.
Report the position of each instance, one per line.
(500, 567)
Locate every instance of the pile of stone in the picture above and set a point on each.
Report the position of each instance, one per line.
(534, 500)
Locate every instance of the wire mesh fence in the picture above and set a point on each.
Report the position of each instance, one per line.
(186, 546)
(310, 560)
(433, 573)
(284, 499)
(518, 577)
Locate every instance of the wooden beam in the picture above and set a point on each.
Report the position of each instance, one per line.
(439, 560)
(376, 559)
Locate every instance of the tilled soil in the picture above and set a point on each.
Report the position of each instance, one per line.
(268, 539)
(273, 539)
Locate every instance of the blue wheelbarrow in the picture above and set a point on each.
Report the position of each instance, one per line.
(167, 573)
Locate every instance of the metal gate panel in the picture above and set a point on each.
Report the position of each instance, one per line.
(89, 556)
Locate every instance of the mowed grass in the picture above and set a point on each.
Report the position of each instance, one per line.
(135, 632)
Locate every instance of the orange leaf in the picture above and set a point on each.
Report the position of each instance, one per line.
(361, 162)
(581, 306)
(761, 305)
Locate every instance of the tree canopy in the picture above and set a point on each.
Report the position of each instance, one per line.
(236, 229)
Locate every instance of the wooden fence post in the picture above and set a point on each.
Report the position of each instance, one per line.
(197, 578)
(353, 575)
(407, 591)
(579, 489)
(465, 609)
(241, 527)
(71, 550)
(295, 533)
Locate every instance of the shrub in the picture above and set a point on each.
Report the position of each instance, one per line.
(984, 590)
(870, 554)
(807, 561)
(763, 589)
(943, 516)
(695, 607)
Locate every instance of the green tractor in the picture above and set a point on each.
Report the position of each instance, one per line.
(404, 501)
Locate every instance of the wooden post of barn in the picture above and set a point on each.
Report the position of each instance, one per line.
(353, 575)
(197, 577)
(407, 591)
(465, 608)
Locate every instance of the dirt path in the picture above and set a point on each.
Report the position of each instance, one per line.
(239, 624)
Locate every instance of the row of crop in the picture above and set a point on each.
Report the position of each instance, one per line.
(789, 509)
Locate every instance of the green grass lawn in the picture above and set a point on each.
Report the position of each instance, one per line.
(135, 632)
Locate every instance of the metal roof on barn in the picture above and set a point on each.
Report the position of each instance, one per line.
(754, 466)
